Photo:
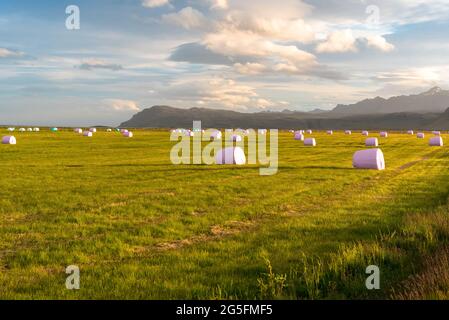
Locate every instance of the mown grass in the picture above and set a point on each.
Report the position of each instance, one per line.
(141, 228)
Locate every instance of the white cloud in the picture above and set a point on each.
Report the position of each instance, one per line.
(219, 4)
(338, 41)
(379, 42)
(99, 64)
(155, 3)
(122, 105)
(188, 18)
(250, 68)
(6, 53)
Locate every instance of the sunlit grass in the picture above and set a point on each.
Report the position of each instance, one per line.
(140, 227)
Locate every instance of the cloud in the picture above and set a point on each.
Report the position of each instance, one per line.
(188, 18)
(379, 42)
(6, 53)
(155, 3)
(250, 68)
(219, 4)
(198, 53)
(338, 41)
(121, 105)
(99, 64)
(217, 93)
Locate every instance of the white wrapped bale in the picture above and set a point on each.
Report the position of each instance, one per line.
(372, 142)
(9, 140)
(231, 155)
(384, 134)
(128, 134)
(365, 133)
(436, 142)
(348, 132)
(88, 133)
(369, 159)
(78, 130)
(310, 142)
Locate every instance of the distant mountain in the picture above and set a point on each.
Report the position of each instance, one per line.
(434, 100)
(168, 117)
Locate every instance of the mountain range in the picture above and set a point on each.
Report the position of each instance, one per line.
(428, 110)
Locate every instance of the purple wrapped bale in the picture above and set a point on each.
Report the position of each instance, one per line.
(231, 155)
(93, 130)
(437, 133)
(369, 159)
(9, 140)
(330, 132)
(310, 142)
(384, 134)
(410, 132)
(436, 142)
(216, 135)
(348, 132)
(88, 134)
(299, 136)
(78, 130)
(372, 142)
(365, 133)
(128, 134)
(421, 135)
(236, 138)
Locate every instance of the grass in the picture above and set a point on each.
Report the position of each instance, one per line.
(141, 228)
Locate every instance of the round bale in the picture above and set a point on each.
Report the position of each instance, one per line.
(231, 155)
(436, 142)
(9, 140)
(310, 142)
(369, 159)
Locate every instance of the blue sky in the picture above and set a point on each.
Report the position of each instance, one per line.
(240, 55)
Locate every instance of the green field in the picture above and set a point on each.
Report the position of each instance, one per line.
(139, 227)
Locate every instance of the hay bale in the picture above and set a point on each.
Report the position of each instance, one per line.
(420, 135)
(88, 133)
(30, 129)
(309, 131)
(236, 138)
(436, 142)
(348, 132)
(410, 132)
(93, 130)
(372, 142)
(369, 159)
(128, 134)
(9, 140)
(22, 130)
(54, 129)
(299, 136)
(231, 155)
(365, 133)
(437, 133)
(215, 135)
(330, 132)
(36, 129)
(310, 142)
(384, 134)
(78, 130)
(11, 129)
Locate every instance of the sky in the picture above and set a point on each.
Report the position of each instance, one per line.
(247, 56)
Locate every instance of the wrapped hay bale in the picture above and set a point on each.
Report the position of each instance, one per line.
(310, 142)
(128, 134)
(365, 133)
(384, 134)
(372, 142)
(231, 155)
(420, 135)
(436, 142)
(299, 136)
(369, 159)
(9, 140)
(88, 134)
(348, 132)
